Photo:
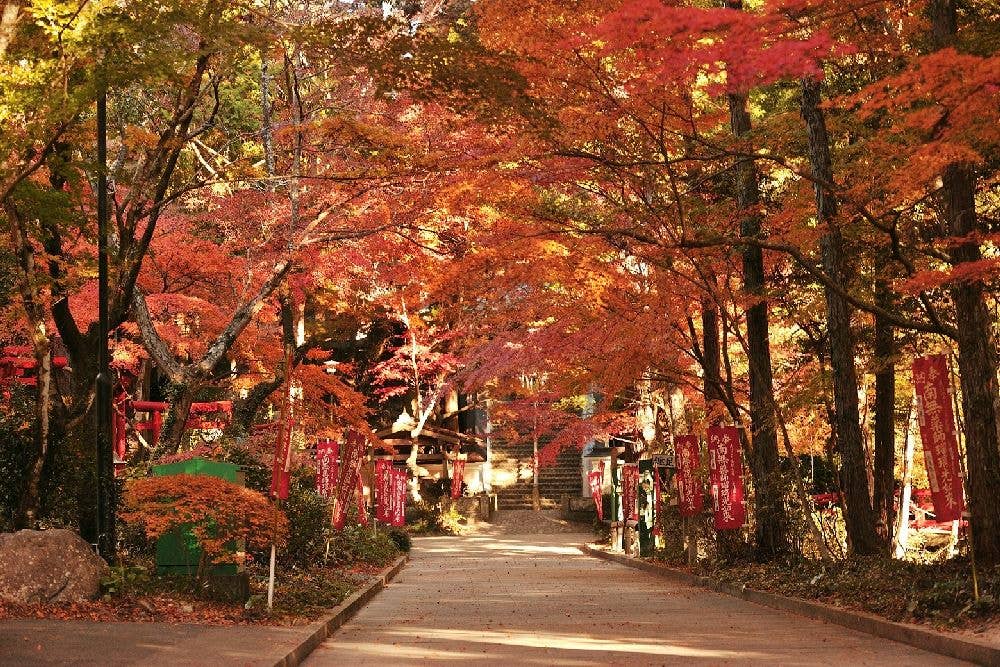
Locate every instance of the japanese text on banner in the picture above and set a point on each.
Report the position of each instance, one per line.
(937, 433)
(689, 490)
(726, 468)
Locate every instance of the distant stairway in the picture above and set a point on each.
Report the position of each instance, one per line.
(512, 476)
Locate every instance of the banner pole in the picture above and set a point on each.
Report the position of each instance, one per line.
(270, 580)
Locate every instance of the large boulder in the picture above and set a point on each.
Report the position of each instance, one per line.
(51, 566)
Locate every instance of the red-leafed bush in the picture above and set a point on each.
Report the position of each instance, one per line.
(216, 512)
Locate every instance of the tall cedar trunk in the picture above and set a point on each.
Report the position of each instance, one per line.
(860, 519)
(977, 364)
(712, 361)
(977, 356)
(772, 521)
(885, 417)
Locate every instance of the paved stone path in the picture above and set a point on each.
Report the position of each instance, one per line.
(506, 599)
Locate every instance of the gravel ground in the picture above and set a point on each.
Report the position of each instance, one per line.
(526, 522)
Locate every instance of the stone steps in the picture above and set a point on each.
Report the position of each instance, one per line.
(562, 477)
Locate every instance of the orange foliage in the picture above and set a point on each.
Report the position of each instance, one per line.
(216, 512)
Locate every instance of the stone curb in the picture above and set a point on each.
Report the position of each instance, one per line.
(320, 630)
(928, 640)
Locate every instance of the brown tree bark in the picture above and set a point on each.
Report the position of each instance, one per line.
(41, 343)
(862, 535)
(187, 379)
(729, 544)
(772, 521)
(977, 355)
(885, 418)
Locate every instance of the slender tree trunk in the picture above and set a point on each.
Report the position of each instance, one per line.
(859, 517)
(30, 506)
(712, 362)
(885, 416)
(772, 521)
(977, 356)
(41, 342)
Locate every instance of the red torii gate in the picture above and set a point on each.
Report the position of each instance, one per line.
(154, 424)
(17, 360)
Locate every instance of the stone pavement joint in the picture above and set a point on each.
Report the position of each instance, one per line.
(536, 599)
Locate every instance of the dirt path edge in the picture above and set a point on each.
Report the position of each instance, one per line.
(928, 640)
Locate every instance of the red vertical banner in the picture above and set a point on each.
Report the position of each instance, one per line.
(399, 497)
(327, 452)
(630, 492)
(937, 433)
(362, 506)
(457, 477)
(726, 469)
(689, 491)
(350, 469)
(596, 480)
(383, 490)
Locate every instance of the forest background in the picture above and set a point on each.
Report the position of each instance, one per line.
(699, 213)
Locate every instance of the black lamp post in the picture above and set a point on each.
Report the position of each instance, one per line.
(106, 538)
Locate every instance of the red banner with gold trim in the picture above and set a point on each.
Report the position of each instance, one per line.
(937, 433)
(726, 469)
(457, 477)
(690, 499)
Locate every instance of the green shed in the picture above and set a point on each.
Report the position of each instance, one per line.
(178, 553)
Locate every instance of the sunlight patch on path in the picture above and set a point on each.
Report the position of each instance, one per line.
(568, 642)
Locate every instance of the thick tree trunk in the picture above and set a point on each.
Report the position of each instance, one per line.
(885, 417)
(175, 423)
(772, 522)
(860, 519)
(977, 356)
(977, 363)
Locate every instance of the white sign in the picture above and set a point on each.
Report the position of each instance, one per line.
(665, 461)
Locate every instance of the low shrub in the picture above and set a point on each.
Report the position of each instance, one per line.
(402, 539)
(427, 518)
(216, 514)
(358, 544)
(308, 529)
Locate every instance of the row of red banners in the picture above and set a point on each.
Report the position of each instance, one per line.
(726, 477)
(334, 481)
(390, 493)
(937, 432)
